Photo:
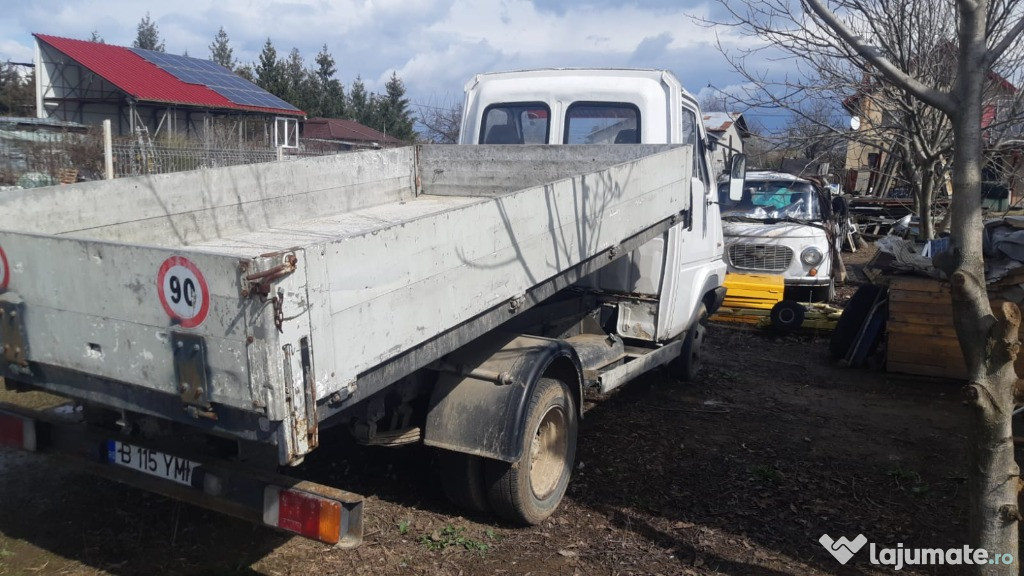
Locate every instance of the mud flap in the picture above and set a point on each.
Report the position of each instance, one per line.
(479, 403)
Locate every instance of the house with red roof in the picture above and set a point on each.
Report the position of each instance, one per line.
(339, 134)
(166, 94)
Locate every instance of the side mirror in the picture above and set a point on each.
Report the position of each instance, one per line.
(737, 174)
(710, 143)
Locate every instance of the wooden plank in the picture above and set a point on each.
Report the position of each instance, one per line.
(917, 284)
(896, 326)
(922, 370)
(946, 363)
(919, 308)
(923, 344)
(917, 296)
(910, 317)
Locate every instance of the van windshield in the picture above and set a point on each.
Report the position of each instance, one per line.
(771, 199)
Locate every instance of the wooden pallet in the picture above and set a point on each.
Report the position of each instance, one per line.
(921, 337)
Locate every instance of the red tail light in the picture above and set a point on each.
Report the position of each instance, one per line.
(303, 513)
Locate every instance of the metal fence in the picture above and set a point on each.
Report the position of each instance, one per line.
(30, 159)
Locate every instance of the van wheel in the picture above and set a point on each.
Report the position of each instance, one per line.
(787, 316)
(687, 365)
(462, 479)
(529, 490)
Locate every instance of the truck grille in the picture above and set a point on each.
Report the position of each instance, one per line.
(761, 257)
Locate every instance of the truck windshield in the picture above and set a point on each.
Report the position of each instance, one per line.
(763, 200)
(516, 123)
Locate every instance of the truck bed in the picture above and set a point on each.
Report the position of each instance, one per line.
(314, 273)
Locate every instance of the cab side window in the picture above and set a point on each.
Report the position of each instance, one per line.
(692, 135)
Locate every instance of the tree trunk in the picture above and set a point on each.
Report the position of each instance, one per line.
(989, 344)
(925, 197)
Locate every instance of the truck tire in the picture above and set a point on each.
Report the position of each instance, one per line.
(462, 479)
(854, 315)
(687, 365)
(529, 490)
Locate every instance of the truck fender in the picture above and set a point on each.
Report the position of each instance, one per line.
(478, 405)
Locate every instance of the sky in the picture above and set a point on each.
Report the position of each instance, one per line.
(435, 46)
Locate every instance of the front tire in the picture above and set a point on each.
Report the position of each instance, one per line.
(529, 490)
(787, 316)
(687, 365)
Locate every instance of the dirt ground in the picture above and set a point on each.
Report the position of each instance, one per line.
(740, 472)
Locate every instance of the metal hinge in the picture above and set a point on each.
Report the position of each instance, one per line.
(192, 374)
(259, 283)
(13, 340)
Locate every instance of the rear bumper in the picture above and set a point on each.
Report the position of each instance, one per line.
(223, 486)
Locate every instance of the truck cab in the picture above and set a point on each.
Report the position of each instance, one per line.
(684, 268)
(782, 225)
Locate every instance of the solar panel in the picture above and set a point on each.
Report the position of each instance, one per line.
(216, 77)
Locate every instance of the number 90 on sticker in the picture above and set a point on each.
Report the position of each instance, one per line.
(183, 291)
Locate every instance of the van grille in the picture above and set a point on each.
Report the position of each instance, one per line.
(761, 257)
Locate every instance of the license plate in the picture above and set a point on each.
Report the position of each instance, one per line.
(151, 462)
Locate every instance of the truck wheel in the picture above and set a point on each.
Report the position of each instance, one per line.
(529, 490)
(687, 365)
(462, 479)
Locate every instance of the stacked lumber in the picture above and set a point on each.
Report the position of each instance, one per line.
(921, 336)
(749, 298)
(757, 291)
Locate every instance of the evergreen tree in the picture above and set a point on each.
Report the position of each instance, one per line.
(148, 37)
(221, 52)
(269, 71)
(393, 111)
(246, 71)
(330, 94)
(17, 93)
(297, 91)
(358, 102)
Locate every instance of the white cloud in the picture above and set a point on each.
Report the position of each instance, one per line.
(434, 45)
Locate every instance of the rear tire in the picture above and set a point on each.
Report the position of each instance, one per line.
(462, 479)
(529, 490)
(687, 365)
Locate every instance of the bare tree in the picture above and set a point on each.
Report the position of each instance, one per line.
(981, 37)
(917, 36)
(441, 122)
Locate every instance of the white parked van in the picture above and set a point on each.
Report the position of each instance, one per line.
(782, 225)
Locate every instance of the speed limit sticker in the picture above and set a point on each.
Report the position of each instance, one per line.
(183, 291)
(5, 270)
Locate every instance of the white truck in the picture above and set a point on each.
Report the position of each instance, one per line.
(207, 325)
(783, 225)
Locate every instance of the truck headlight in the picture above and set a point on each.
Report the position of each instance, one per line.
(811, 256)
